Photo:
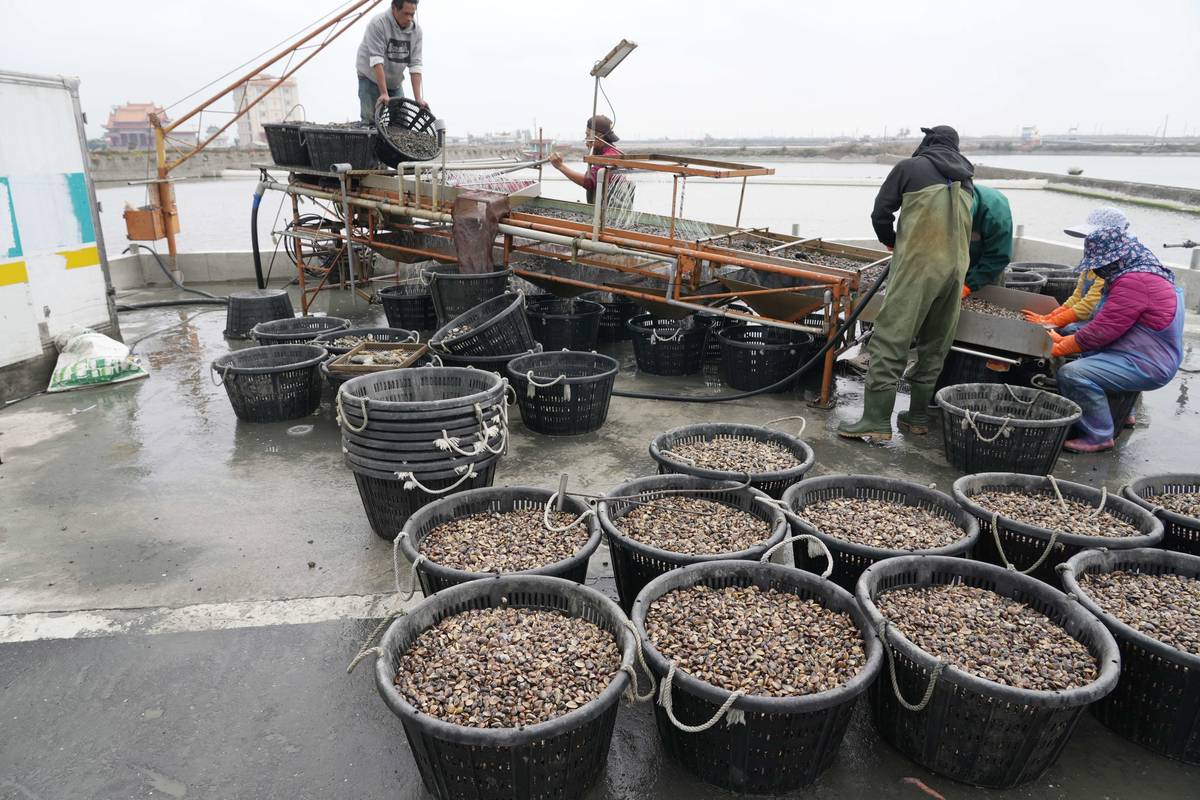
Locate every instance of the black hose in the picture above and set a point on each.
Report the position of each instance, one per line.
(817, 358)
(258, 196)
(199, 301)
(167, 272)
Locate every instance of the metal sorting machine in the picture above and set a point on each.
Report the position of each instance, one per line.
(1000, 340)
(572, 248)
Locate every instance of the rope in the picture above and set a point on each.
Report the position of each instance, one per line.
(1013, 393)
(367, 649)
(674, 337)
(933, 678)
(677, 457)
(411, 481)
(224, 374)
(1057, 492)
(546, 516)
(668, 705)
(803, 424)
(435, 360)
(1103, 500)
(450, 444)
(414, 337)
(631, 693)
(969, 421)
(1000, 548)
(342, 417)
(412, 576)
(531, 391)
(811, 539)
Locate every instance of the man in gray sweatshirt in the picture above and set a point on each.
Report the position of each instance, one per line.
(392, 43)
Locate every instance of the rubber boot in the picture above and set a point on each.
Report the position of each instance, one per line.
(876, 422)
(915, 421)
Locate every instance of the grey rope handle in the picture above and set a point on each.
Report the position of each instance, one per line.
(803, 423)
(411, 481)
(1000, 548)
(412, 575)
(1057, 492)
(674, 337)
(224, 374)
(668, 705)
(367, 648)
(1103, 501)
(631, 694)
(346, 422)
(436, 360)
(808, 537)
(678, 457)
(550, 527)
(531, 390)
(414, 337)
(1013, 394)
(933, 678)
(969, 421)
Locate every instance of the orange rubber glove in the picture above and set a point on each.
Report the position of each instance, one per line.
(966, 293)
(1035, 318)
(1064, 346)
(1062, 316)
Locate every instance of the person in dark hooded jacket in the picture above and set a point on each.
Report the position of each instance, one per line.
(934, 193)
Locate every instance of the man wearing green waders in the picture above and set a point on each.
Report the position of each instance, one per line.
(933, 192)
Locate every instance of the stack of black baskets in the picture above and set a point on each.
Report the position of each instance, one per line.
(413, 435)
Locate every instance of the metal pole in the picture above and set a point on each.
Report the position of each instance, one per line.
(674, 197)
(348, 216)
(598, 215)
(741, 201)
(165, 205)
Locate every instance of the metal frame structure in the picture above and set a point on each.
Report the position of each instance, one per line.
(406, 202)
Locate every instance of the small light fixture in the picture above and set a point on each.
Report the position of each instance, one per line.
(606, 65)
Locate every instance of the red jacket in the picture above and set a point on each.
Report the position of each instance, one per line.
(1134, 298)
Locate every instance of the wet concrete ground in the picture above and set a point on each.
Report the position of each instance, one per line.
(161, 632)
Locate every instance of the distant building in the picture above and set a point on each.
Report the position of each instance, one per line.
(276, 107)
(221, 141)
(128, 126)
(1030, 135)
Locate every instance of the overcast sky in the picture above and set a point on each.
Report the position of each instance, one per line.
(746, 68)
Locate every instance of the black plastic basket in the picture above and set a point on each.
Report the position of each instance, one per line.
(1157, 700)
(636, 564)
(850, 560)
(1031, 282)
(497, 364)
(409, 305)
(339, 144)
(756, 356)
(435, 577)
(960, 368)
(424, 393)
(247, 309)
(556, 759)
(274, 383)
(974, 730)
(390, 500)
(568, 393)
(771, 483)
(393, 335)
(286, 143)
(420, 143)
(784, 742)
(494, 327)
(1003, 428)
(565, 324)
(1037, 551)
(618, 309)
(455, 294)
(664, 346)
(296, 330)
(1182, 533)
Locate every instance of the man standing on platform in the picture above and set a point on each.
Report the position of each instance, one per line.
(392, 43)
